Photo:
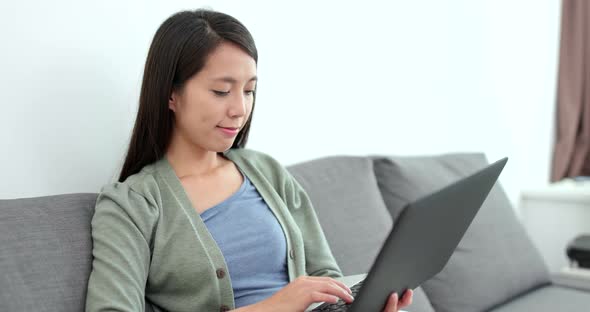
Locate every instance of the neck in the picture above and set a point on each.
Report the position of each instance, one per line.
(188, 159)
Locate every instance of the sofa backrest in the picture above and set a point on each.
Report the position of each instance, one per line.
(45, 252)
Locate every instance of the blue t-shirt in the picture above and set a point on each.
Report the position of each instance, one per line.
(252, 242)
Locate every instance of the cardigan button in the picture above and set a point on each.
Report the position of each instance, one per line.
(224, 308)
(220, 273)
(292, 254)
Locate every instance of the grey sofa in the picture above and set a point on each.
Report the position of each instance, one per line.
(45, 242)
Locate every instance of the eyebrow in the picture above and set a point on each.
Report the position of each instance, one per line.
(232, 80)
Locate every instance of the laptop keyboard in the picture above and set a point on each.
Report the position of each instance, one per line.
(340, 305)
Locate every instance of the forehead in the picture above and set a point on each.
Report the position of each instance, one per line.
(229, 60)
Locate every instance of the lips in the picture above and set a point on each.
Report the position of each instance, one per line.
(229, 132)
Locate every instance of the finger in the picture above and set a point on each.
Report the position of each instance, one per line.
(329, 279)
(391, 303)
(342, 285)
(407, 298)
(318, 296)
(334, 289)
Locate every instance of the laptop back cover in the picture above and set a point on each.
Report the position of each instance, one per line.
(424, 237)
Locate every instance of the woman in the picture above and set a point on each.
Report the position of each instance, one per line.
(197, 222)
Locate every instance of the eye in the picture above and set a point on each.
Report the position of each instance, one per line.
(220, 93)
(224, 93)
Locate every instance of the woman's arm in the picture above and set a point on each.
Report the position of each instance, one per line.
(319, 260)
(121, 230)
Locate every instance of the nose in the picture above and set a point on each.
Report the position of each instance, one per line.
(238, 105)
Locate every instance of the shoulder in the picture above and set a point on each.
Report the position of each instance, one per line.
(139, 191)
(127, 207)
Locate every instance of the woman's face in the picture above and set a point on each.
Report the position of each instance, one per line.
(217, 97)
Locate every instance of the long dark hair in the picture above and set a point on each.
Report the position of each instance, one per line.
(178, 51)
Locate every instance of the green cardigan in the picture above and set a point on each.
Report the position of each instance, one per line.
(148, 240)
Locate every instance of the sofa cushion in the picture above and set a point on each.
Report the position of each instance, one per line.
(548, 299)
(45, 252)
(345, 196)
(344, 192)
(494, 262)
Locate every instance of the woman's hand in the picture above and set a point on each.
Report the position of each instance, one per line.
(305, 290)
(393, 305)
(302, 292)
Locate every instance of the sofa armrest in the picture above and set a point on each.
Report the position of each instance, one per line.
(573, 278)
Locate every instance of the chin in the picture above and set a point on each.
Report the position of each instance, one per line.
(223, 148)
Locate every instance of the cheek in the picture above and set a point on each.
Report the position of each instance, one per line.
(249, 108)
(200, 111)
(201, 116)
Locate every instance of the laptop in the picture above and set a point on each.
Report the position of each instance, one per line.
(421, 242)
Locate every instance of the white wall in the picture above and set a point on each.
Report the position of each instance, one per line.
(370, 77)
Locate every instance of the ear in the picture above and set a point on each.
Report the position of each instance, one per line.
(173, 101)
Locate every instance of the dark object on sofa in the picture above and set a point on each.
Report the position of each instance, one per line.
(578, 251)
